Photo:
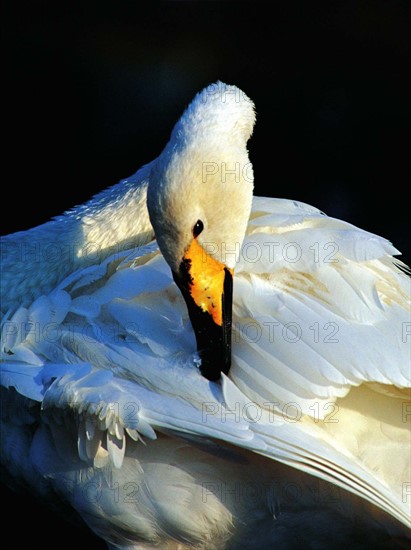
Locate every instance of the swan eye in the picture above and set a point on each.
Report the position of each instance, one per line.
(198, 227)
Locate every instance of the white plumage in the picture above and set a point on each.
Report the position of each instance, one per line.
(305, 443)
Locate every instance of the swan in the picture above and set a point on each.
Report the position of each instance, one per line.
(187, 365)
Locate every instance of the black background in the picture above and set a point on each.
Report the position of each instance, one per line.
(92, 90)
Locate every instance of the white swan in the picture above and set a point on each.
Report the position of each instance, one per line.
(303, 442)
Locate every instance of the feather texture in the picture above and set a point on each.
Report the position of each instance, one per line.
(308, 435)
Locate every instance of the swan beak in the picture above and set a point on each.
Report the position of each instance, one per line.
(207, 288)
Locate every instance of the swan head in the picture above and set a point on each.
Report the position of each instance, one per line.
(199, 201)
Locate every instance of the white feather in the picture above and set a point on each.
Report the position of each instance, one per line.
(100, 358)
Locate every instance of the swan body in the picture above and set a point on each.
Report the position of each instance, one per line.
(304, 443)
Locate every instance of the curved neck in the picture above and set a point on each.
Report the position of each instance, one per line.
(35, 261)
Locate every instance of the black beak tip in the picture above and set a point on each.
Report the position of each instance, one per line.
(213, 340)
(210, 373)
(211, 367)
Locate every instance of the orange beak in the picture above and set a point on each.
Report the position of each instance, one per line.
(207, 288)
